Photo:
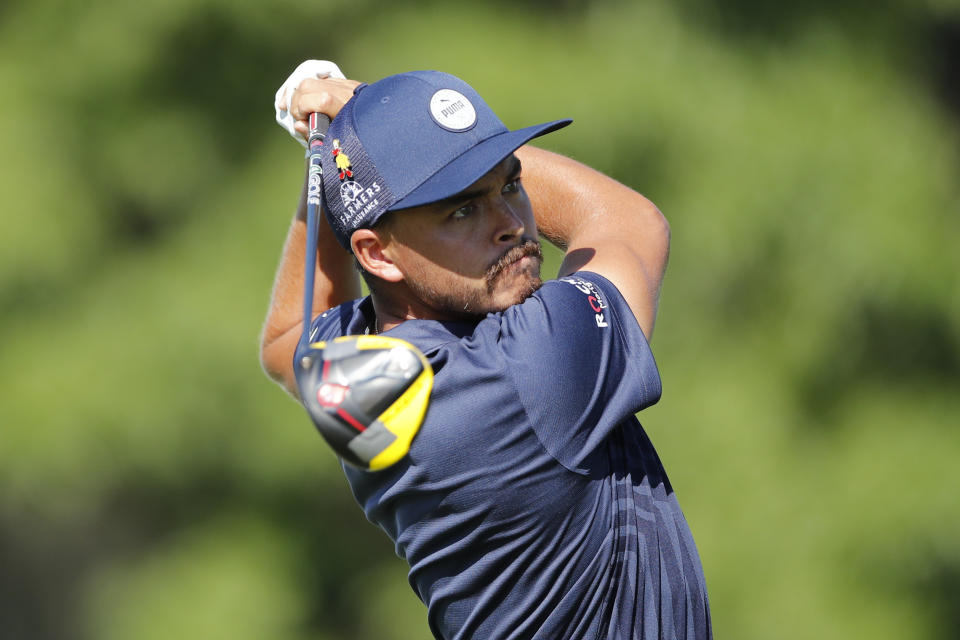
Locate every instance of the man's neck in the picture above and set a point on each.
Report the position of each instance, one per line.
(388, 313)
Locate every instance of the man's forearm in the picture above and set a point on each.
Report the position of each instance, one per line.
(570, 198)
(603, 226)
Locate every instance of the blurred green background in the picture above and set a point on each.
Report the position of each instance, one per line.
(154, 484)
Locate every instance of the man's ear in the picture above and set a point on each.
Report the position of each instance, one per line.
(371, 252)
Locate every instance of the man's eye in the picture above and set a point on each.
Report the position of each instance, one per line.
(462, 212)
(512, 187)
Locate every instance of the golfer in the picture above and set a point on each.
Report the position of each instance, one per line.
(531, 503)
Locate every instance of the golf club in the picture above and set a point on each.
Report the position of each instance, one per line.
(367, 395)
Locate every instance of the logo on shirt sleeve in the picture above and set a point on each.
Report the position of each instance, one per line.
(594, 298)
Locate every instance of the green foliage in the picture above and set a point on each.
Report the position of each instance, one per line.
(203, 585)
(155, 484)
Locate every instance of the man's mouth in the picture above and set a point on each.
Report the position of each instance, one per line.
(530, 248)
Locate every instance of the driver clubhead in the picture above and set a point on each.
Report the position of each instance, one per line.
(367, 395)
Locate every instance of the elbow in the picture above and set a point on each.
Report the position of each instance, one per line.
(276, 360)
(269, 360)
(656, 226)
(276, 357)
(664, 230)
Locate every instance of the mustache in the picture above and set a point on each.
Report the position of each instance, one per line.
(525, 248)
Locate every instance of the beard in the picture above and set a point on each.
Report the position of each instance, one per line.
(471, 302)
(495, 271)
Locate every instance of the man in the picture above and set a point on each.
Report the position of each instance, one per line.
(531, 503)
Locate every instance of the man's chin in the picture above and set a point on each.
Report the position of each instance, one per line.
(520, 290)
(513, 285)
(532, 287)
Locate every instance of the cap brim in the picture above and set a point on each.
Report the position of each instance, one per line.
(473, 165)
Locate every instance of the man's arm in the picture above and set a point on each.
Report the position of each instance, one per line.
(336, 279)
(603, 226)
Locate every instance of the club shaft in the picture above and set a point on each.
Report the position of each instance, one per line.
(318, 131)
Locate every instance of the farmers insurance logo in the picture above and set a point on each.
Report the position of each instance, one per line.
(357, 199)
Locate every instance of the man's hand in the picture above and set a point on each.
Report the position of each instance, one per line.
(315, 86)
(319, 95)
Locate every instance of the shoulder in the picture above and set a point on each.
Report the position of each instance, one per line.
(574, 331)
(595, 291)
(582, 304)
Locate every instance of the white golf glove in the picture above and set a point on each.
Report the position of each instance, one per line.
(281, 101)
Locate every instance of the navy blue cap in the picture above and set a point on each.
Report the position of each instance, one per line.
(409, 140)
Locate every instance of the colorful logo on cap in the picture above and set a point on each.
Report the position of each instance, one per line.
(344, 168)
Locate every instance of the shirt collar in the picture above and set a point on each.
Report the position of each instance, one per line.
(427, 335)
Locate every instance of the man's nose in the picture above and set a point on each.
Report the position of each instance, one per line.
(509, 224)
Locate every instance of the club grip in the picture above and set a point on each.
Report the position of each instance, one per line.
(319, 123)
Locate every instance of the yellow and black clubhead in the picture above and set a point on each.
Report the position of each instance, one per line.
(367, 396)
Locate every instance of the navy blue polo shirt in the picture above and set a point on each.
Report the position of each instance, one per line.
(531, 503)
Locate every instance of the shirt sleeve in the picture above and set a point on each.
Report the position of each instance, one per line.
(580, 363)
